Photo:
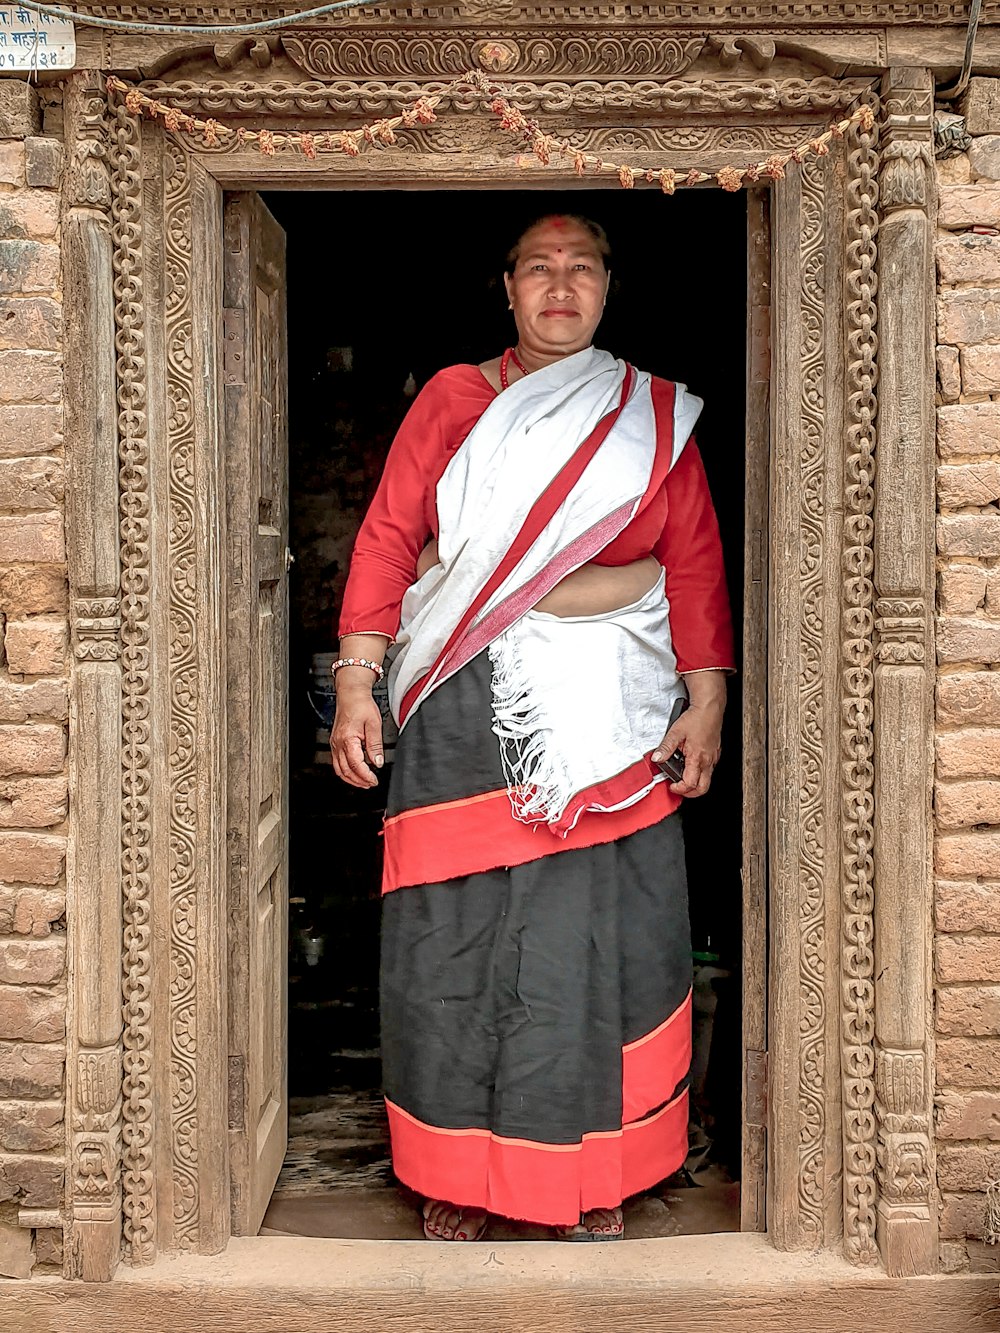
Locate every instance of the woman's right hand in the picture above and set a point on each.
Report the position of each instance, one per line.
(357, 732)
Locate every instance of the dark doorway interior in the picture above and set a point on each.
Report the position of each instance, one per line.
(385, 288)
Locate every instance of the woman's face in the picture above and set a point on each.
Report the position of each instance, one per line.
(557, 289)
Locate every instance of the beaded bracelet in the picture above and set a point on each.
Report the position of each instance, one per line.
(358, 661)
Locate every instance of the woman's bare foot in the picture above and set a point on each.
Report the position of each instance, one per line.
(597, 1224)
(448, 1221)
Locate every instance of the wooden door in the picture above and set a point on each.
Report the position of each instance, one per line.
(755, 803)
(255, 379)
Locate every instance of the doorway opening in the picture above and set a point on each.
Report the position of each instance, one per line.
(385, 288)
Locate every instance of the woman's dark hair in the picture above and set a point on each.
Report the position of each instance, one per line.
(593, 229)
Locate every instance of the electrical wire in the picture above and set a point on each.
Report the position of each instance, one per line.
(960, 85)
(198, 30)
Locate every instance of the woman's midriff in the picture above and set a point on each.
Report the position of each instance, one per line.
(591, 590)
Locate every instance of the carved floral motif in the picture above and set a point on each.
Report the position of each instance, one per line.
(812, 412)
(183, 697)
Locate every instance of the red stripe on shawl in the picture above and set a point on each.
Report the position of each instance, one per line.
(653, 1065)
(538, 517)
(436, 843)
(550, 1183)
(609, 793)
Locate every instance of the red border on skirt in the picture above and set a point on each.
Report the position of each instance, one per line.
(653, 1065)
(549, 1183)
(434, 843)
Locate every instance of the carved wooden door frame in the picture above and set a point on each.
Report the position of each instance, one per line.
(851, 578)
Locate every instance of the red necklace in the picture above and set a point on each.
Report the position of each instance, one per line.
(509, 356)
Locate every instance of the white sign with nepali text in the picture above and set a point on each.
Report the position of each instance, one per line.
(34, 41)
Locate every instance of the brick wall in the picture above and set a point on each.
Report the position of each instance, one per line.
(967, 779)
(33, 692)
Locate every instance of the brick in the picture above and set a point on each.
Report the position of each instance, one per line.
(35, 1182)
(968, 1115)
(961, 589)
(43, 162)
(26, 910)
(16, 1259)
(36, 647)
(30, 803)
(956, 855)
(29, 377)
(962, 1215)
(40, 699)
(19, 111)
(971, 315)
(49, 1246)
(984, 157)
(33, 537)
(32, 749)
(964, 206)
(981, 369)
(12, 163)
(29, 215)
(955, 170)
(964, 1062)
(29, 429)
(949, 374)
(31, 858)
(37, 483)
(38, 962)
(30, 321)
(28, 1069)
(31, 1126)
(959, 905)
(956, 958)
(29, 1013)
(970, 696)
(962, 639)
(968, 258)
(28, 266)
(966, 1167)
(959, 754)
(968, 430)
(30, 590)
(963, 804)
(968, 484)
(968, 1011)
(969, 534)
(953, 1257)
(992, 605)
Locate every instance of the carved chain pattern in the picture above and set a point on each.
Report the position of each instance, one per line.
(376, 96)
(183, 694)
(137, 1086)
(857, 679)
(812, 1013)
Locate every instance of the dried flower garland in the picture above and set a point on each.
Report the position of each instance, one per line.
(522, 128)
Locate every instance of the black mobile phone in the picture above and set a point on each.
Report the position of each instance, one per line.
(673, 765)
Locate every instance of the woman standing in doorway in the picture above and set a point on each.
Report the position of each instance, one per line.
(543, 551)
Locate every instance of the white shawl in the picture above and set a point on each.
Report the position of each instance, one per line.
(577, 700)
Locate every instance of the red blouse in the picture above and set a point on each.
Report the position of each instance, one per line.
(403, 518)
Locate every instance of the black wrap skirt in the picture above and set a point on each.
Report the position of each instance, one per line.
(536, 1003)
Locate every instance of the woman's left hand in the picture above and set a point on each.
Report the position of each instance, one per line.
(697, 733)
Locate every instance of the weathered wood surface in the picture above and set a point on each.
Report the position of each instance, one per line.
(255, 373)
(753, 1178)
(695, 1284)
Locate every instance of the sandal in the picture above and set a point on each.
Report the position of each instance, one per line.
(476, 1232)
(584, 1232)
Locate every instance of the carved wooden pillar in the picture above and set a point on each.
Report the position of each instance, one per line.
(94, 903)
(904, 572)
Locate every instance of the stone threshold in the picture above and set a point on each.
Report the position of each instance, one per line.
(698, 1284)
